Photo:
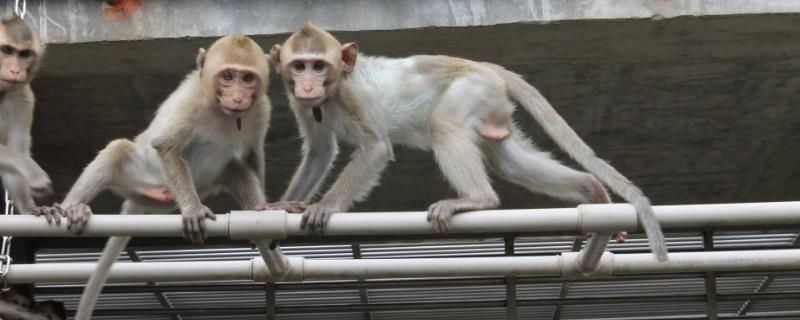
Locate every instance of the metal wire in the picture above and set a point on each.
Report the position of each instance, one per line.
(21, 10)
(5, 248)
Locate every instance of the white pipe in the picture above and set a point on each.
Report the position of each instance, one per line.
(300, 269)
(590, 218)
(589, 257)
(277, 263)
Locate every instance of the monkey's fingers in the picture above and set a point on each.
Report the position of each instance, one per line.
(49, 213)
(304, 220)
(325, 218)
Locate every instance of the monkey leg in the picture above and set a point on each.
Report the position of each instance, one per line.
(111, 251)
(460, 160)
(98, 175)
(518, 161)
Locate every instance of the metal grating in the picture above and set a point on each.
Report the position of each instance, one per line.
(454, 301)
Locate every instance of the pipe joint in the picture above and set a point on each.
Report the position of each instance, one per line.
(572, 268)
(607, 218)
(257, 224)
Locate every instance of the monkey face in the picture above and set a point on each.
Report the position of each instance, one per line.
(237, 89)
(310, 79)
(14, 65)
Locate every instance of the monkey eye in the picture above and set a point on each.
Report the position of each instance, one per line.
(319, 66)
(248, 77)
(25, 53)
(7, 50)
(227, 76)
(299, 66)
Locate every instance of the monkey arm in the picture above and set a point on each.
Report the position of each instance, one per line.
(244, 184)
(257, 163)
(360, 175)
(179, 179)
(319, 151)
(12, 161)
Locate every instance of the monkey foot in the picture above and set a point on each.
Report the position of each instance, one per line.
(621, 236)
(288, 206)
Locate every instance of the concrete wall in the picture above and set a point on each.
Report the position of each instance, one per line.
(692, 109)
(73, 21)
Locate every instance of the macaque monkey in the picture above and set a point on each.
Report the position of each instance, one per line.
(207, 137)
(20, 52)
(459, 109)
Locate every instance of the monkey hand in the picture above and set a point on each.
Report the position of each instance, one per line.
(316, 217)
(440, 214)
(194, 223)
(77, 215)
(288, 206)
(52, 214)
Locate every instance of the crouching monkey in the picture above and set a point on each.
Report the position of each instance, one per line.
(207, 137)
(20, 53)
(459, 109)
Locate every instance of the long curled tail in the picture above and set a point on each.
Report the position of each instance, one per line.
(555, 126)
(113, 248)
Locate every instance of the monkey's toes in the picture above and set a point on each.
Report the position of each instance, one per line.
(621, 236)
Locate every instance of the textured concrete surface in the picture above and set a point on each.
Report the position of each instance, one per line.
(693, 109)
(71, 21)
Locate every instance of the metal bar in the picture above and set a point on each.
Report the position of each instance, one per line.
(162, 299)
(362, 292)
(270, 293)
(564, 288)
(295, 309)
(712, 310)
(300, 269)
(278, 224)
(765, 283)
(511, 283)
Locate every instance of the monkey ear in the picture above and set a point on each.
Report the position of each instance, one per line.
(349, 54)
(201, 58)
(275, 56)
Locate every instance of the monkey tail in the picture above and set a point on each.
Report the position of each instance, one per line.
(555, 126)
(113, 248)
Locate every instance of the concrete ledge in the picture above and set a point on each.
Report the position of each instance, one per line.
(75, 21)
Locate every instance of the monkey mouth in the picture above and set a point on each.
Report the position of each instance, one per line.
(310, 102)
(233, 112)
(12, 81)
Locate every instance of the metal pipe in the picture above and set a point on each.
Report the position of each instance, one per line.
(300, 269)
(278, 224)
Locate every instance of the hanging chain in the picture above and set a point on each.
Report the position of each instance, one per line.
(21, 10)
(5, 249)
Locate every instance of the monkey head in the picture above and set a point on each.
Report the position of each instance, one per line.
(312, 63)
(234, 72)
(20, 50)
